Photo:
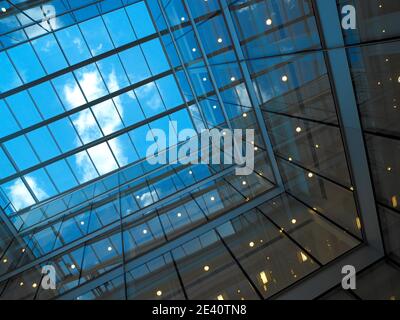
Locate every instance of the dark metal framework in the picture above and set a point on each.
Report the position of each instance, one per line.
(339, 74)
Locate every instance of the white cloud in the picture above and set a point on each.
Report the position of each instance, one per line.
(19, 195)
(85, 124)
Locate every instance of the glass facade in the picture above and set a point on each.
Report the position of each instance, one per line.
(84, 86)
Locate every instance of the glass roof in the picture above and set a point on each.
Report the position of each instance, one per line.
(82, 83)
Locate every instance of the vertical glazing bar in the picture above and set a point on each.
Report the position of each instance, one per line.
(339, 71)
(250, 88)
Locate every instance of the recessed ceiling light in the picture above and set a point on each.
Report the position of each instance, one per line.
(219, 40)
(73, 266)
(298, 129)
(310, 175)
(268, 22)
(212, 199)
(251, 244)
(206, 268)
(109, 248)
(285, 78)
(244, 183)
(179, 214)
(294, 221)
(3, 9)
(145, 231)
(159, 293)
(34, 285)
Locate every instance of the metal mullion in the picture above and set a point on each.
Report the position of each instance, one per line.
(329, 27)
(250, 89)
(93, 143)
(22, 177)
(174, 72)
(207, 65)
(102, 178)
(287, 234)
(27, 16)
(170, 245)
(183, 65)
(126, 74)
(154, 204)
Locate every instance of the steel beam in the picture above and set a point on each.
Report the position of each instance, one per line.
(329, 25)
(250, 89)
(170, 245)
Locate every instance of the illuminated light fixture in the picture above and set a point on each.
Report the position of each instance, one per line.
(21, 284)
(268, 22)
(219, 40)
(352, 188)
(220, 297)
(233, 79)
(224, 133)
(190, 172)
(317, 146)
(206, 268)
(3, 10)
(5, 260)
(183, 19)
(245, 115)
(285, 78)
(138, 197)
(394, 202)
(387, 60)
(263, 277)
(251, 244)
(144, 231)
(398, 79)
(109, 249)
(290, 159)
(73, 266)
(194, 49)
(204, 79)
(298, 129)
(389, 169)
(394, 107)
(82, 223)
(244, 183)
(23, 250)
(159, 293)
(294, 221)
(303, 257)
(358, 222)
(179, 215)
(212, 198)
(255, 148)
(34, 285)
(214, 107)
(383, 31)
(310, 175)
(379, 83)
